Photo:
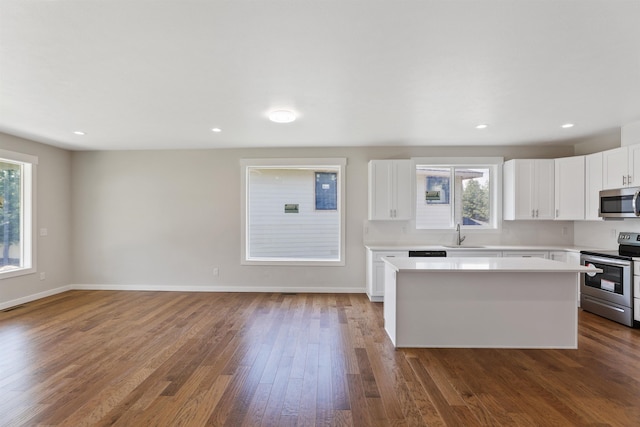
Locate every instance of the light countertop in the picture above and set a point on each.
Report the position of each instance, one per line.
(485, 264)
(471, 247)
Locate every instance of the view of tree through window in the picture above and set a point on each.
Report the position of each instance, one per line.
(10, 211)
(451, 195)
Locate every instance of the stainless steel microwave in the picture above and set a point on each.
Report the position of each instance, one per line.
(620, 203)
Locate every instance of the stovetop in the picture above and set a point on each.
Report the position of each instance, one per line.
(628, 249)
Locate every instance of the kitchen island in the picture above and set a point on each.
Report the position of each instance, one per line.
(482, 302)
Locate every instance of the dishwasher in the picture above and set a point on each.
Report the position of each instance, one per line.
(427, 254)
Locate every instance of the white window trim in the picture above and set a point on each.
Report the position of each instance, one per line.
(29, 208)
(495, 173)
(340, 163)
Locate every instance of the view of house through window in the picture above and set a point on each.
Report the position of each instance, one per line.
(15, 213)
(451, 195)
(293, 213)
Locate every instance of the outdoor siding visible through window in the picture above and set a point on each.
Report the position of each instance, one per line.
(16, 232)
(448, 195)
(293, 214)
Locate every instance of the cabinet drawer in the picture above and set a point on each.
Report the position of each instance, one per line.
(636, 285)
(377, 256)
(636, 268)
(526, 254)
(636, 309)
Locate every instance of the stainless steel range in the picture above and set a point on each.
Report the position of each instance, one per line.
(610, 293)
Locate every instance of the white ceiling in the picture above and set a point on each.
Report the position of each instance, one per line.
(154, 74)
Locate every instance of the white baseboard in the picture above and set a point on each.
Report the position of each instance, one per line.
(33, 297)
(172, 288)
(228, 288)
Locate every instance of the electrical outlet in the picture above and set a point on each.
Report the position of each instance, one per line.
(216, 271)
(44, 232)
(614, 233)
(43, 275)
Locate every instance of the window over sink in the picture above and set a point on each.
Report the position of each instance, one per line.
(452, 191)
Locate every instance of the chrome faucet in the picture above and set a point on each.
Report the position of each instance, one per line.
(460, 238)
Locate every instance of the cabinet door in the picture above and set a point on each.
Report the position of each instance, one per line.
(526, 254)
(633, 178)
(615, 165)
(593, 185)
(543, 188)
(523, 189)
(569, 188)
(390, 189)
(380, 172)
(474, 254)
(558, 256)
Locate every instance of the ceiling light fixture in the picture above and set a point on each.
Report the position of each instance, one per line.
(567, 125)
(78, 132)
(282, 116)
(482, 126)
(216, 130)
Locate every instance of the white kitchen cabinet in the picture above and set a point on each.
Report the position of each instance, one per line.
(528, 189)
(636, 291)
(390, 190)
(375, 272)
(569, 188)
(558, 256)
(621, 167)
(593, 185)
(526, 254)
(466, 253)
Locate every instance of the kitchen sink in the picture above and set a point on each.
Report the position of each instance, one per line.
(464, 247)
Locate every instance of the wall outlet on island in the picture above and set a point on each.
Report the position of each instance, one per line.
(614, 232)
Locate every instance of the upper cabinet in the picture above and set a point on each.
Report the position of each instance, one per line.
(529, 189)
(569, 188)
(390, 189)
(621, 167)
(593, 185)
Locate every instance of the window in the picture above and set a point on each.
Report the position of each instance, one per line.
(293, 211)
(16, 226)
(457, 191)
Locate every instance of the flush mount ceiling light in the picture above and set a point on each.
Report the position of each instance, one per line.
(567, 125)
(482, 126)
(78, 132)
(282, 116)
(216, 130)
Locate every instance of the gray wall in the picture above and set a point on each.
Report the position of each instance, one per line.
(167, 218)
(53, 212)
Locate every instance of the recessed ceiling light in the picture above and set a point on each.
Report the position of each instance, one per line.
(567, 125)
(282, 116)
(482, 126)
(217, 130)
(78, 132)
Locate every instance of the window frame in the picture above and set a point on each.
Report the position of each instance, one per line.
(28, 214)
(494, 164)
(292, 163)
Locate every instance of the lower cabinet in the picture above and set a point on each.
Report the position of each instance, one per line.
(526, 254)
(375, 272)
(470, 254)
(375, 265)
(636, 291)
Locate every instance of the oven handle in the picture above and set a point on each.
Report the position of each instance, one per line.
(586, 297)
(634, 203)
(603, 260)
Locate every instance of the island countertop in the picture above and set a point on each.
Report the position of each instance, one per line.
(484, 264)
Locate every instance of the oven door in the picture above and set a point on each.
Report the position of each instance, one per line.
(614, 284)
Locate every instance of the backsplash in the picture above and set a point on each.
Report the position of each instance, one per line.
(534, 233)
(603, 234)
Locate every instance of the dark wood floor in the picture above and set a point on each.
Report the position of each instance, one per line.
(192, 359)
